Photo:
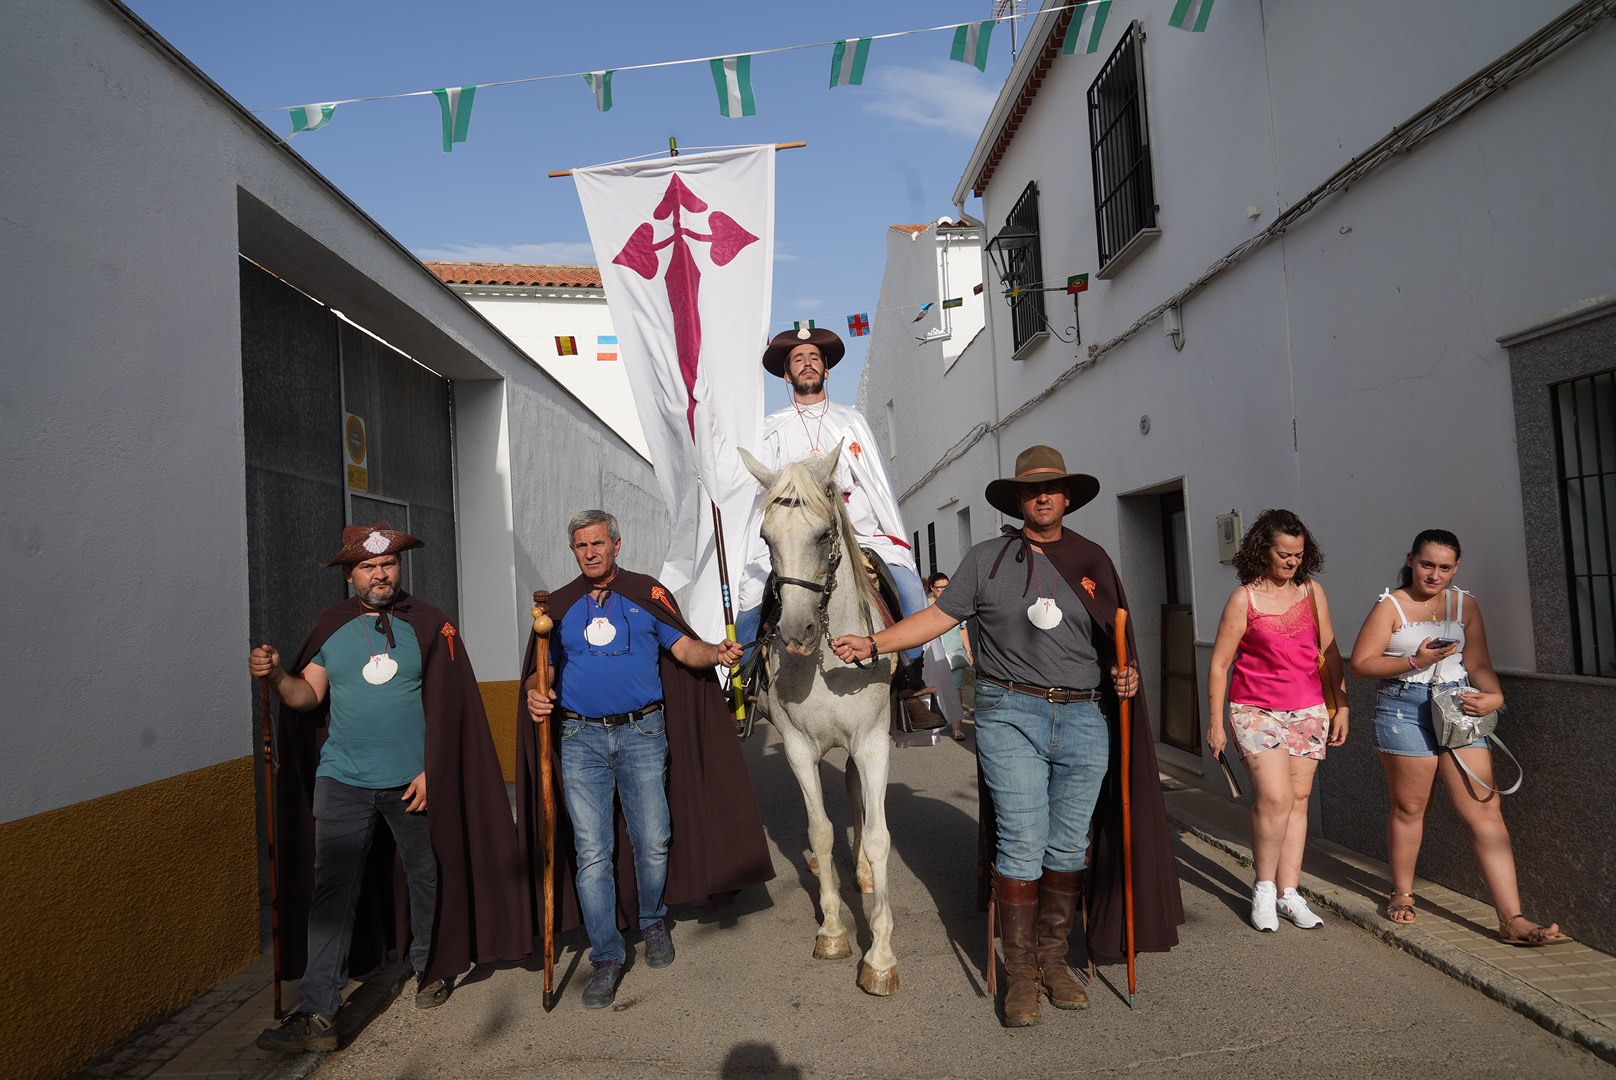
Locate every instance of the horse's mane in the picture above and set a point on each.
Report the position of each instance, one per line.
(797, 489)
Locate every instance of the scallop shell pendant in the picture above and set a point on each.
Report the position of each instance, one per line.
(600, 631)
(1044, 613)
(380, 669)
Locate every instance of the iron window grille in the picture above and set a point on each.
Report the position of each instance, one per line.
(931, 546)
(1585, 441)
(1119, 142)
(1018, 256)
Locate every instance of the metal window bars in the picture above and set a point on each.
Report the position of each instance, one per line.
(1585, 442)
(1119, 142)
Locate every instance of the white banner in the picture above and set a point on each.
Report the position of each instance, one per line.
(685, 247)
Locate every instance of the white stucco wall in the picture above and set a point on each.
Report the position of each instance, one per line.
(535, 320)
(1372, 323)
(121, 431)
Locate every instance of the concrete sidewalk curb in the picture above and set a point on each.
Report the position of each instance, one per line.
(1551, 1015)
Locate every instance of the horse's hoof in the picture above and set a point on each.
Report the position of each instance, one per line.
(831, 948)
(878, 983)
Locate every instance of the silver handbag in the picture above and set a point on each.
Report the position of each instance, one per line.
(1454, 728)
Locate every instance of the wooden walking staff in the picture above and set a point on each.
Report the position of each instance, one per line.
(542, 625)
(269, 839)
(1126, 724)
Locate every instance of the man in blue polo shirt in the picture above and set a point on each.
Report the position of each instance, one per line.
(606, 653)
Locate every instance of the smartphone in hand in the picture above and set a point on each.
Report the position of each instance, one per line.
(1442, 642)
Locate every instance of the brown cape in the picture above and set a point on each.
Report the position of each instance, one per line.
(718, 843)
(483, 912)
(1158, 906)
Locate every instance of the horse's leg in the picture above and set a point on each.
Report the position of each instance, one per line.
(855, 795)
(878, 974)
(832, 940)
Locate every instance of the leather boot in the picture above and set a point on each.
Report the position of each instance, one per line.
(1058, 895)
(1018, 918)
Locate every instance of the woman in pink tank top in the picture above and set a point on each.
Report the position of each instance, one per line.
(1274, 627)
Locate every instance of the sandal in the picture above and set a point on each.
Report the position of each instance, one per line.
(1536, 937)
(1396, 911)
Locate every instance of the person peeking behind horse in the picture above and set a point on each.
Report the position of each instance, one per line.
(813, 425)
(1045, 601)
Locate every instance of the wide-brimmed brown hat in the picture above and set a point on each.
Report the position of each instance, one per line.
(361, 542)
(779, 350)
(1040, 465)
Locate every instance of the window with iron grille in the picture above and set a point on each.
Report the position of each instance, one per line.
(1023, 268)
(1585, 438)
(1119, 142)
(931, 545)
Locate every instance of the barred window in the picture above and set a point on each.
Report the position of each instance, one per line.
(1119, 142)
(1585, 438)
(1022, 267)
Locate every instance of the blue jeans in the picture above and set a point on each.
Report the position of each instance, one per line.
(344, 821)
(911, 598)
(1044, 764)
(630, 761)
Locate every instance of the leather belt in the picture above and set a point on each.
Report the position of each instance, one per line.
(1055, 695)
(615, 719)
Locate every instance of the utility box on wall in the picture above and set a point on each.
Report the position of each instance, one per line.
(1229, 533)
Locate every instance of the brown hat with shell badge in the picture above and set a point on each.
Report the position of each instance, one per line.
(362, 542)
(779, 351)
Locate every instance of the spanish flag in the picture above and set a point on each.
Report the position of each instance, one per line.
(566, 346)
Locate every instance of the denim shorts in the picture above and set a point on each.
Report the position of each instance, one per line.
(1403, 718)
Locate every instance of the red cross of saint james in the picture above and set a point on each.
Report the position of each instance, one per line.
(858, 325)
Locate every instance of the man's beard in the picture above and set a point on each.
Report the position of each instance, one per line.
(808, 384)
(368, 595)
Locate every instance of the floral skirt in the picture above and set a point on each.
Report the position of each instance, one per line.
(1299, 732)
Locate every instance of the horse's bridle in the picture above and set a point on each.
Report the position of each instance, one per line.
(823, 588)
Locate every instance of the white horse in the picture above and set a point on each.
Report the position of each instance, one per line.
(820, 703)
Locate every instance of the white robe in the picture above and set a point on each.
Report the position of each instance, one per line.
(790, 435)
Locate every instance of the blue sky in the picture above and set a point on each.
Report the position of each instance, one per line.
(886, 152)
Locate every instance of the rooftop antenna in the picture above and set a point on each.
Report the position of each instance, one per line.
(1015, 11)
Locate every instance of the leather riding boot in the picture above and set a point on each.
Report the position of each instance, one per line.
(1058, 895)
(1018, 918)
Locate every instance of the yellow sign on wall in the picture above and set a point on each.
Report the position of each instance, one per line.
(356, 448)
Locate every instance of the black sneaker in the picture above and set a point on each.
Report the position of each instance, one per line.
(302, 1031)
(601, 989)
(658, 945)
(432, 995)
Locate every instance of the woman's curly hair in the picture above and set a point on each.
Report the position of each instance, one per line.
(1251, 562)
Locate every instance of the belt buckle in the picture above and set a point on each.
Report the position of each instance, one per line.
(1049, 695)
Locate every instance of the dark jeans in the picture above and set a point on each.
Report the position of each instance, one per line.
(344, 821)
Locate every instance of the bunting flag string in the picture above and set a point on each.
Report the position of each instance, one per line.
(927, 306)
(858, 324)
(732, 74)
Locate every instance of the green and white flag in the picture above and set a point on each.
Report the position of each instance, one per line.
(803, 324)
(1088, 23)
(847, 63)
(1190, 15)
(733, 78)
(601, 83)
(971, 44)
(456, 104)
(311, 117)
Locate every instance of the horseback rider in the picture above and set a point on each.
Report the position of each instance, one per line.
(811, 425)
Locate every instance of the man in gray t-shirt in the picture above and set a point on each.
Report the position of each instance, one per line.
(1042, 740)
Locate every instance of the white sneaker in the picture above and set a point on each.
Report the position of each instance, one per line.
(1263, 898)
(1294, 907)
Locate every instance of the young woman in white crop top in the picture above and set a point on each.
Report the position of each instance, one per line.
(1422, 639)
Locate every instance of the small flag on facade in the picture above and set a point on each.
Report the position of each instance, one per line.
(455, 102)
(601, 83)
(927, 306)
(858, 325)
(803, 324)
(971, 43)
(1190, 15)
(566, 346)
(847, 62)
(1077, 283)
(606, 347)
(311, 117)
(1088, 23)
(958, 301)
(733, 78)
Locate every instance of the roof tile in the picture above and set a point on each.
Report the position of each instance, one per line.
(489, 273)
